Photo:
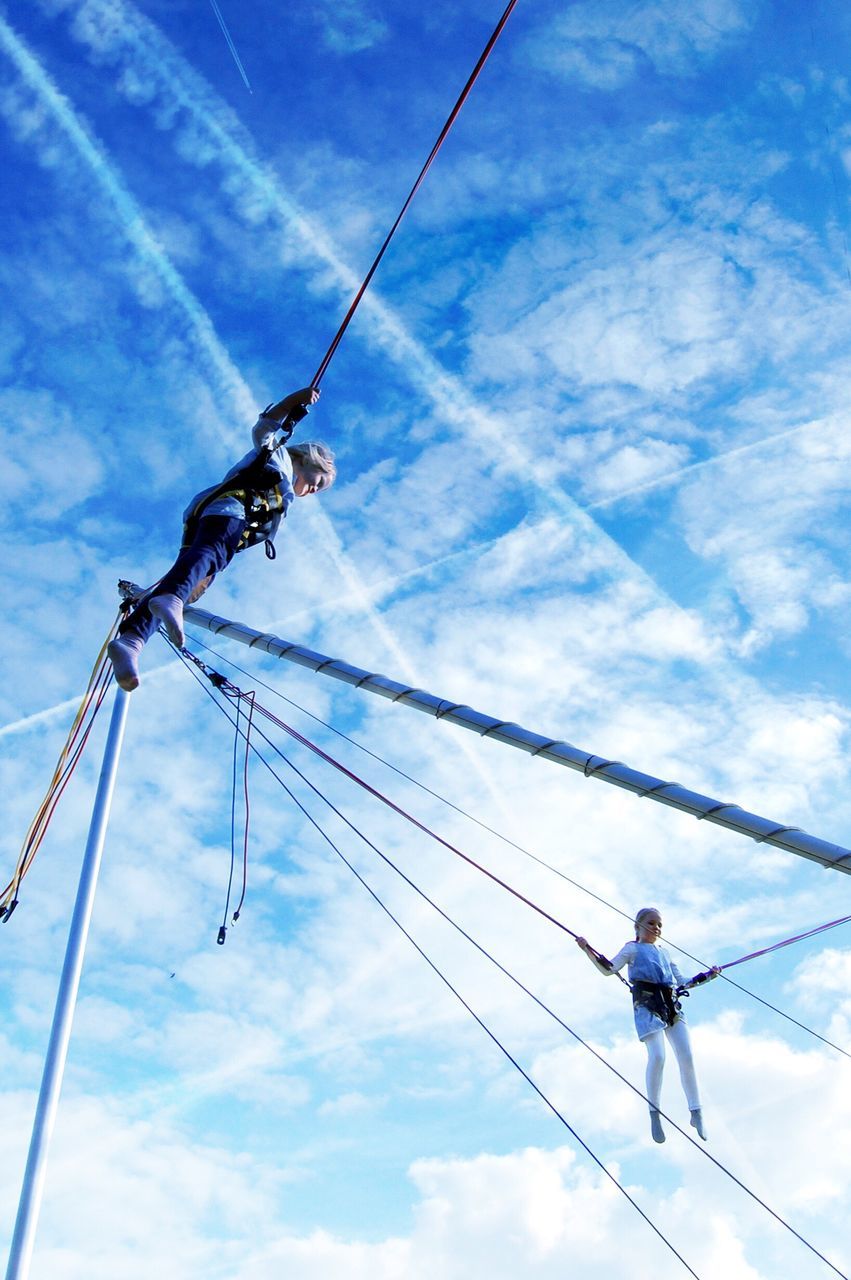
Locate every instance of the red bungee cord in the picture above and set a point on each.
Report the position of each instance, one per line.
(485, 54)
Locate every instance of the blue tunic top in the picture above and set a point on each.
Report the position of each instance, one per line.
(648, 962)
(264, 431)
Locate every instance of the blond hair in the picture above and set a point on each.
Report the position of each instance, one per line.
(642, 915)
(313, 455)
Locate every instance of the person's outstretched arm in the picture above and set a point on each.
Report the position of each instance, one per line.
(599, 961)
(265, 433)
(290, 404)
(700, 978)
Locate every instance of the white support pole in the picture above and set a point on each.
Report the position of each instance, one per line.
(704, 808)
(60, 1033)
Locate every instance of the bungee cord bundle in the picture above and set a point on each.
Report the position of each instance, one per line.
(233, 695)
(245, 735)
(69, 757)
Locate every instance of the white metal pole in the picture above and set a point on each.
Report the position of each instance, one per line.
(704, 808)
(60, 1033)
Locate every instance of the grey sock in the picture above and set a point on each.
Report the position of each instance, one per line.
(656, 1126)
(124, 653)
(696, 1122)
(168, 610)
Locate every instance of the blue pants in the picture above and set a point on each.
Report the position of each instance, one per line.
(210, 551)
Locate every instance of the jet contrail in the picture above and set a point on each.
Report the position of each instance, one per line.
(133, 223)
(217, 11)
(132, 220)
(138, 42)
(674, 477)
(130, 215)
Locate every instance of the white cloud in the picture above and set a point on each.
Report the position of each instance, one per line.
(85, 1220)
(348, 1104)
(785, 559)
(660, 317)
(605, 45)
(635, 464)
(349, 26)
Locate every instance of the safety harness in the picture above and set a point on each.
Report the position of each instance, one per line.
(259, 486)
(659, 999)
(663, 1000)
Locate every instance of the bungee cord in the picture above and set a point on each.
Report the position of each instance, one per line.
(787, 942)
(462, 98)
(556, 870)
(230, 691)
(69, 757)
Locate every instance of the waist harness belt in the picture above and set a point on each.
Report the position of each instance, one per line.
(659, 999)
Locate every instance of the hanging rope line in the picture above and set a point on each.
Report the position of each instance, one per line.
(223, 927)
(474, 75)
(246, 736)
(230, 691)
(69, 757)
(247, 805)
(378, 795)
(703, 963)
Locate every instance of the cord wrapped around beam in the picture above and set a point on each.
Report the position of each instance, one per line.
(644, 785)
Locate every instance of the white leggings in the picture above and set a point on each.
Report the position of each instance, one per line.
(655, 1045)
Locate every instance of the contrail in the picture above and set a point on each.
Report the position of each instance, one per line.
(674, 477)
(41, 717)
(440, 385)
(149, 248)
(132, 220)
(117, 26)
(217, 11)
(130, 216)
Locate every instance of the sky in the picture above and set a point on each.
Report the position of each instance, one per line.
(592, 435)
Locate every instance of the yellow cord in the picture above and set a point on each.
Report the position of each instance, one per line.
(99, 680)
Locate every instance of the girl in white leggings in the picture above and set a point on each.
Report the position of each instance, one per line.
(656, 982)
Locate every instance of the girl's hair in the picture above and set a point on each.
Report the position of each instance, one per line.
(642, 915)
(313, 455)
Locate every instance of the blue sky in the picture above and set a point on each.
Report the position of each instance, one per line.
(592, 434)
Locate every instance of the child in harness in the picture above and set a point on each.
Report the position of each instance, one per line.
(245, 508)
